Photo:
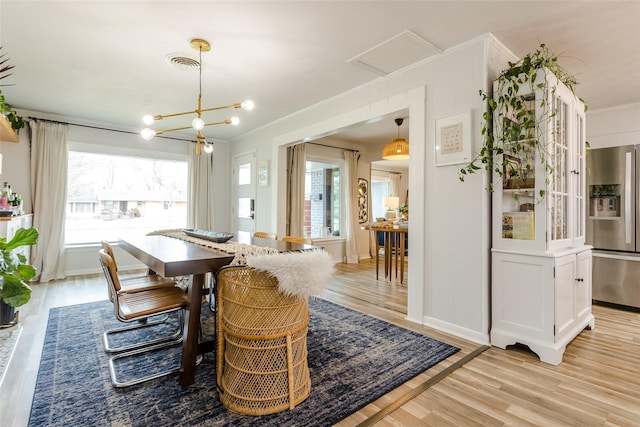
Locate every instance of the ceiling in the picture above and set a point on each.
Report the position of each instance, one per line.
(104, 62)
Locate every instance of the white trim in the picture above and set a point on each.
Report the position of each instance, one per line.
(456, 330)
(87, 147)
(415, 101)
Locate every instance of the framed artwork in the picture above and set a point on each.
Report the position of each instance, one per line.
(453, 139)
(363, 200)
(263, 173)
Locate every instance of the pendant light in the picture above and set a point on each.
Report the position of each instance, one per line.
(398, 149)
(197, 123)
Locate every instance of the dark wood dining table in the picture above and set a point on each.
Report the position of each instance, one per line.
(171, 257)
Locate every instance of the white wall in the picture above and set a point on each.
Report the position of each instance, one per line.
(449, 221)
(614, 127)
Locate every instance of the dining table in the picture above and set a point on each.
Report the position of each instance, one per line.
(172, 257)
(394, 237)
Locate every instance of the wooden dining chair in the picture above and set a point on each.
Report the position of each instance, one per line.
(266, 235)
(138, 307)
(293, 239)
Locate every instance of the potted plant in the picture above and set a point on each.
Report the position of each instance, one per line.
(6, 111)
(15, 272)
(404, 211)
(519, 134)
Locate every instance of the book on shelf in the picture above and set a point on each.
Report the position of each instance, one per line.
(518, 225)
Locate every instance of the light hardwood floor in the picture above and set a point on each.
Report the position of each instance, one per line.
(598, 382)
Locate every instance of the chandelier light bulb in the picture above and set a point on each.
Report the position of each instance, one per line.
(208, 148)
(148, 133)
(197, 123)
(148, 119)
(247, 105)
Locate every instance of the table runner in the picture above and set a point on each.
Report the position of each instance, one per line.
(239, 250)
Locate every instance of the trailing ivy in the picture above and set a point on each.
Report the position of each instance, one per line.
(520, 135)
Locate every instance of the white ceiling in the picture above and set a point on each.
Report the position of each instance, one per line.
(104, 61)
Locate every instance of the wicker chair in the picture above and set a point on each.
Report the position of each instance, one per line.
(262, 343)
(136, 307)
(293, 239)
(266, 235)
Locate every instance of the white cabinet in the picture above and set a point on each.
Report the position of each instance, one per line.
(9, 226)
(545, 210)
(541, 268)
(541, 301)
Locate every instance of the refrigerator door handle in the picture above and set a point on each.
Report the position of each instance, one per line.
(627, 198)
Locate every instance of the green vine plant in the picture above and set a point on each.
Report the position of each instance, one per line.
(518, 136)
(14, 119)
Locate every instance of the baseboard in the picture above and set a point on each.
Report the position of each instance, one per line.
(124, 268)
(467, 334)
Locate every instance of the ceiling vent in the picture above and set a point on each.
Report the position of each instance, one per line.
(396, 53)
(182, 62)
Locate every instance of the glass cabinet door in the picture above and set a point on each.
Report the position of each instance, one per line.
(558, 197)
(578, 175)
(539, 200)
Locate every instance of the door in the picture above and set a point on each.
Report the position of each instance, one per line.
(611, 209)
(565, 295)
(582, 282)
(244, 178)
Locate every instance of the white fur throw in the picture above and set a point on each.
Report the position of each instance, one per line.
(301, 274)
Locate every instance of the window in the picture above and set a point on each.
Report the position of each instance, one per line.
(323, 200)
(380, 188)
(244, 174)
(244, 207)
(109, 196)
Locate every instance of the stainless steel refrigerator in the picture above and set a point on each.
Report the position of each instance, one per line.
(613, 221)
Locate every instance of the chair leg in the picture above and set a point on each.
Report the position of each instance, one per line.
(120, 383)
(175, 337)
(116, 382)
(212, 294)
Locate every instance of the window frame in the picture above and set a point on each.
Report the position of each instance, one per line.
(128, 151)
(340, 162)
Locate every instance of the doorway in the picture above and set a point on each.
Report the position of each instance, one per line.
(413, 103)
(244, 194)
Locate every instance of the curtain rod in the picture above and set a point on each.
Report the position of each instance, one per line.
(381, 170)
(331, 146)
(107, 129)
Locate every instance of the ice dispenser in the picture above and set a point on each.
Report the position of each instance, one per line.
(604, 200)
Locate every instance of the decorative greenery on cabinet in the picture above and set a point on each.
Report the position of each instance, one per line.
(518, 132)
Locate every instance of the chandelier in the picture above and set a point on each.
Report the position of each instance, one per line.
(398, 149)
(197, 123)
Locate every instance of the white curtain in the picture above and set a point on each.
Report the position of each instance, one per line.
(394, 180)
(295, 185)
(49, 142)
(351, 212)
(200, 197)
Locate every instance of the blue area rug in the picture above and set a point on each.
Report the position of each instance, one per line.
(353, 359)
